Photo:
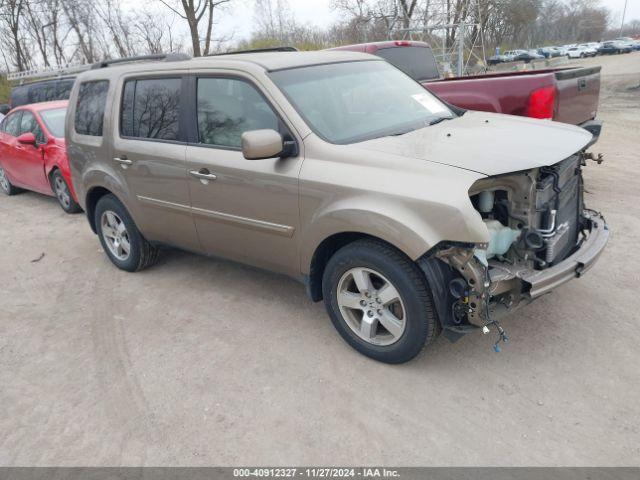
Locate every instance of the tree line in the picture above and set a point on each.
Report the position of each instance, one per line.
(37, 33)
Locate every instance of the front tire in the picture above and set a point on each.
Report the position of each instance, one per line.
(63, 193)
(122, 241)
(5, 185)
(379, 301)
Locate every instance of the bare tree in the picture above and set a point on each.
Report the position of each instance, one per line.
(11, 23)
(83, 20)
(155, 33)
(194, 11)
(117, 25)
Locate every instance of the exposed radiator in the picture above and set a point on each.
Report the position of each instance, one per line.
(560, 188)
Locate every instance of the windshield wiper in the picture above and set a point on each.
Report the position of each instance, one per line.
(438, 120)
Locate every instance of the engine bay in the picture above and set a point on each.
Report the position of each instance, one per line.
(536, 220)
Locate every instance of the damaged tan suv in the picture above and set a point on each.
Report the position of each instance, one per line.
(406, 216)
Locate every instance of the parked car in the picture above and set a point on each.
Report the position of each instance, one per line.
(33, 153)
(496, 59)
(548, 52)
(613, 47)
(512, 54)
(341, 171)
(567, 95)
(576, 52)
(628, 43)
(590, 49)
(561, 51)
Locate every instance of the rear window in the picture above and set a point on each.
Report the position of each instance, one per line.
(54, 121)
(151, 108)
(417, 62)
(92, 100)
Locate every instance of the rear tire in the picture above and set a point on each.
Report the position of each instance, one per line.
(122, 241)
(379, 301)
(5, 185)
(63, 193)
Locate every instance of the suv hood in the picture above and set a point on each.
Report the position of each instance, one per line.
(487, 143)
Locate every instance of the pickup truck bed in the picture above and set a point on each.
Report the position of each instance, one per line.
(575, 92)
(567, 95)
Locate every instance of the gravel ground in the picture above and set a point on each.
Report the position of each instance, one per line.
(206, 362)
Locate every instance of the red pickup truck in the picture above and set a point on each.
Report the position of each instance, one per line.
(567, 95)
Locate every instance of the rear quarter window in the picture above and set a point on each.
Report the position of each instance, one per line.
(90, 107)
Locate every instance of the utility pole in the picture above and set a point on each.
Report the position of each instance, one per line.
(624, 11)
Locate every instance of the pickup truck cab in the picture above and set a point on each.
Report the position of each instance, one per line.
(568, 95)
(337, 169)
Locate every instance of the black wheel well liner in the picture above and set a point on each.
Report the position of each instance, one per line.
(93, 196)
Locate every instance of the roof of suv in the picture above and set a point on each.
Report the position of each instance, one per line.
(269, 61)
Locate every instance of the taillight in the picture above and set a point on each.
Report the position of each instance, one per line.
(542, 102)
(402, 43)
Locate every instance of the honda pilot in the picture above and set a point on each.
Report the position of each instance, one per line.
(405, 217)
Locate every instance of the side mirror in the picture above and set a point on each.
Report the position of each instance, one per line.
(262, 144)
(27, 139)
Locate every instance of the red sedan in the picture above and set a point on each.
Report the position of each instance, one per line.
(33, 154)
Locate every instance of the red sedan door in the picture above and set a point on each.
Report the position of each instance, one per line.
(28, 160)
(8, 134)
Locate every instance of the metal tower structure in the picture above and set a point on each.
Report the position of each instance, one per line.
(456, 44)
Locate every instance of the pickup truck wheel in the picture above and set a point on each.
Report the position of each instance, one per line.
(5, 184)
(63, 193)
(122, 241)
(379, 301)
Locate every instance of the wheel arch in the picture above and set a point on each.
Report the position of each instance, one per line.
(91, 200)
(329, 246)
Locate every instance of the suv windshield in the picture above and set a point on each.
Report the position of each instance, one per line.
(356, 101)
(54, 120)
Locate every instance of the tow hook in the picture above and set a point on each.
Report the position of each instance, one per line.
(590, 156)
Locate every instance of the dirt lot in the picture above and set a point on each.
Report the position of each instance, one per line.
(205, 362)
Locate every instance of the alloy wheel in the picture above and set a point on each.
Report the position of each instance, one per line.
(115, 235)
(62, 192)
(371, 306)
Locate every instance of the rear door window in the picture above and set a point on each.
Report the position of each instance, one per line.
(92, 100)
(11, 124)
(151, 109)
(417, 62)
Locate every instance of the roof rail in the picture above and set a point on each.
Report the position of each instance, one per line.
(166, 57)
(68, 70)
(48, 72)
(257, 50)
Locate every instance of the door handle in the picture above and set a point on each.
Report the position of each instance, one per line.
(123, 160)
(203, 174)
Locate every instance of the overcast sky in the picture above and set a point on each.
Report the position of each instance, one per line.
(239, 17)
(318, 12)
